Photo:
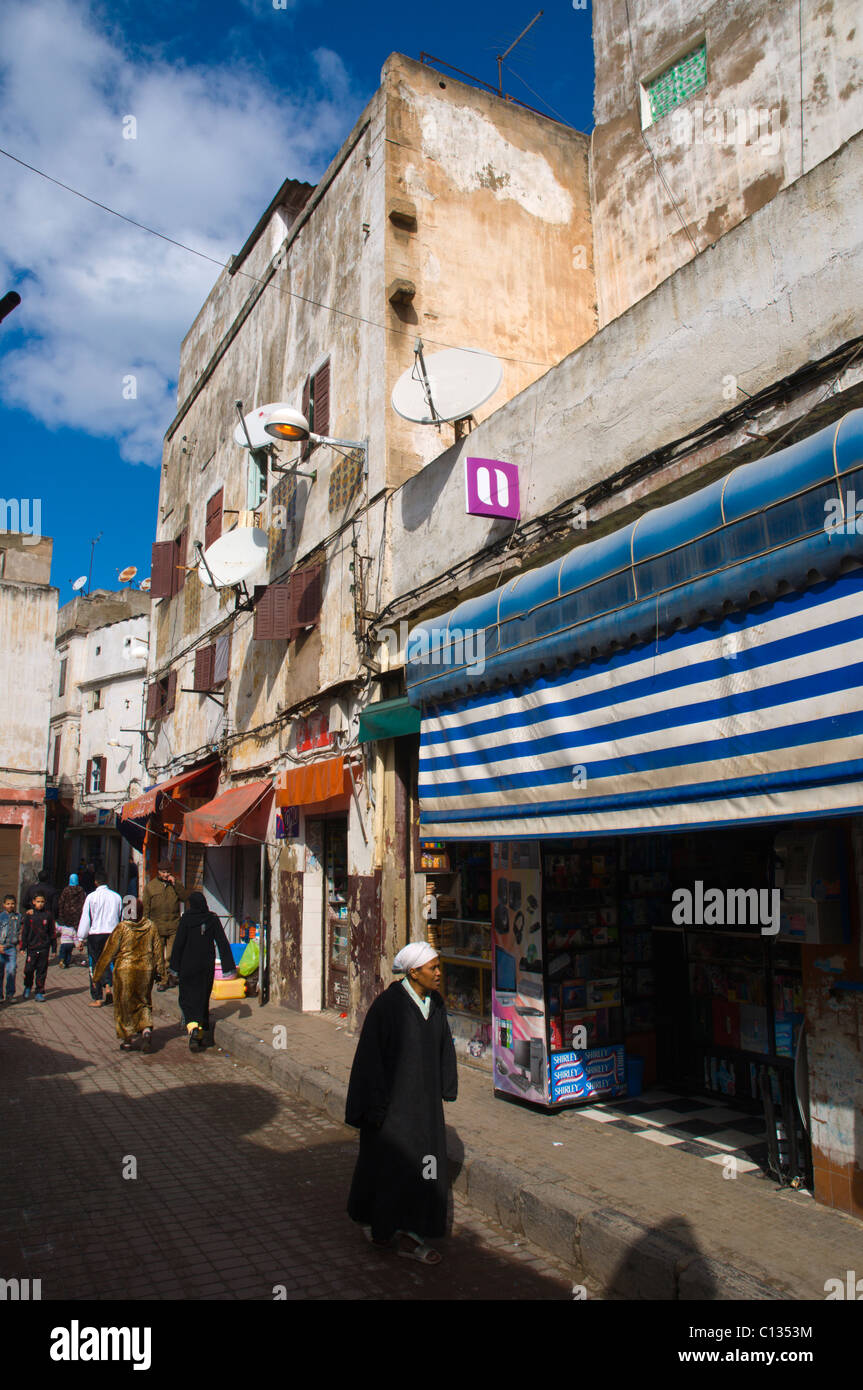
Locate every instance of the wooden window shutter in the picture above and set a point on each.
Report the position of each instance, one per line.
(213, 528)
(204, 662)
(181, 545)
(282, 610)
(56, 764)
(88, 775)
(263, 630)
(171, 692)
(221, 658)
(321, 398)
(102, 761)
(161, 573)
(307, 448)
(152, 700)
(305, 598)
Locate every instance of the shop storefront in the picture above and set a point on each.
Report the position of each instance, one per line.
(661, 746)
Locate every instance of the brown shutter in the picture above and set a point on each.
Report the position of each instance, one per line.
(213, 528)
(305, 598)
(56, 766)
(181, 545)
(171, 693)
(204, 662)
(321, 397)
(161, 574)
(222, 658)
(88, 776)
(307, 448)
(153, 700)
(264, 615)
(282, 612)
(102, 761)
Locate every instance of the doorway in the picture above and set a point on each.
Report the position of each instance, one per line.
(336, 922)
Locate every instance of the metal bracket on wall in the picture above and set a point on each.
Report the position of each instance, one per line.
(187, 690)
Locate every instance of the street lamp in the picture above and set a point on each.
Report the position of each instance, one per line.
(291, 426)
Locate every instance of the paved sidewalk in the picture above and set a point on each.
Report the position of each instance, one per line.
(633, 1219)
(176, 1176)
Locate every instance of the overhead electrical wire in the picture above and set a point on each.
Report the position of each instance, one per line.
(266, 284)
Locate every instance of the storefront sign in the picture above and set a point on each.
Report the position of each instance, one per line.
(491, 488)
(288, 823)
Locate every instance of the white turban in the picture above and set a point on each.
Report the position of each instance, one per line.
(415, 954)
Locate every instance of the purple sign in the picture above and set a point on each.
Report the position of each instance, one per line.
(491, 488)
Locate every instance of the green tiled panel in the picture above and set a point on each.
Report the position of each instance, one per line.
(677, 83)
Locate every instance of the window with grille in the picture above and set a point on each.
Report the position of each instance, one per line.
(675, 85)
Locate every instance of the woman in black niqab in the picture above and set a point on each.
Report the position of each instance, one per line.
(193, 960)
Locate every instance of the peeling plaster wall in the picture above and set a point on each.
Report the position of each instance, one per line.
(28, 616)
(717, 174)
(502, 254)
(776, 293)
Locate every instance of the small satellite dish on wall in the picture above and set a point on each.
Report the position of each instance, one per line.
(456, 383)
(79, 582)
(128, 574)
(254, 422)
(144, 585)
(234, 557)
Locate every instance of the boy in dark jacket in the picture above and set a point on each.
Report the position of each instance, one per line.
(38, 939)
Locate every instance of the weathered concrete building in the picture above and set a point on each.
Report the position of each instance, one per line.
(28, 612)
(769, 92)
(95, 747)
(447, 214)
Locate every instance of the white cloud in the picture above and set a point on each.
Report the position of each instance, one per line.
(103, 300)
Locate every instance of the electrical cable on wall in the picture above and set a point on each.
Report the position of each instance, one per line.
(265, 284)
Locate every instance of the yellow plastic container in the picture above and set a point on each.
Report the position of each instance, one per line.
(229, 989)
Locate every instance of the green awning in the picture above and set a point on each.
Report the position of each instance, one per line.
(389, 719)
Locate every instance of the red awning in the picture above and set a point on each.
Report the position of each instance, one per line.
(144, 805)
(247, 807)
(327, 780)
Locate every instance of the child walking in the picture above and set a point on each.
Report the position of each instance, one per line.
(38, 939)
(10, 935)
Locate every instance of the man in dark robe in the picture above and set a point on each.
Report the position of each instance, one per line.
(404, 1067)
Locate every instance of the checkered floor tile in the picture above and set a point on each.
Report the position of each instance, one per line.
(701, 1127)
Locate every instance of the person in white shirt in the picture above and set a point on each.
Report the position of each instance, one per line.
(99, 916)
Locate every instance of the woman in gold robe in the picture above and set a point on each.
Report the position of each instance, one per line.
(136, 950)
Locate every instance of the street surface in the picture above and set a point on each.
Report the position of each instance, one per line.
(176, 1176)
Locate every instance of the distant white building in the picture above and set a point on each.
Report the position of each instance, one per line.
(94, 753)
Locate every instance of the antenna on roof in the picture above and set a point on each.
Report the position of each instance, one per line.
(93, 544)
(501, 56)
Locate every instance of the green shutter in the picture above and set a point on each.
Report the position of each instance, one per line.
(677, 84)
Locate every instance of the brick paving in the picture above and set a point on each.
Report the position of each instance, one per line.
(240, 1189)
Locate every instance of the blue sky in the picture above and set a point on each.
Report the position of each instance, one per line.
(220, 122)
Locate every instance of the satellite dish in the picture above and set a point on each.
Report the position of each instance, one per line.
(459, 382)
(79, 582)
(128, 574)
(144, 585)
(234, 557)
(254, 422)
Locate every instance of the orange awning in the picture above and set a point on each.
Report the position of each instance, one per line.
(144, 805)
(327, 780)
(247, 807)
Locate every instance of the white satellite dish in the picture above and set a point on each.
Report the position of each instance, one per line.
(234, 557)
(79, 582)
(459, 382)
(144, 585)
(254, 422)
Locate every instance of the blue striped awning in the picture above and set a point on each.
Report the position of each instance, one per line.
(743, 716)
(755, 718)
